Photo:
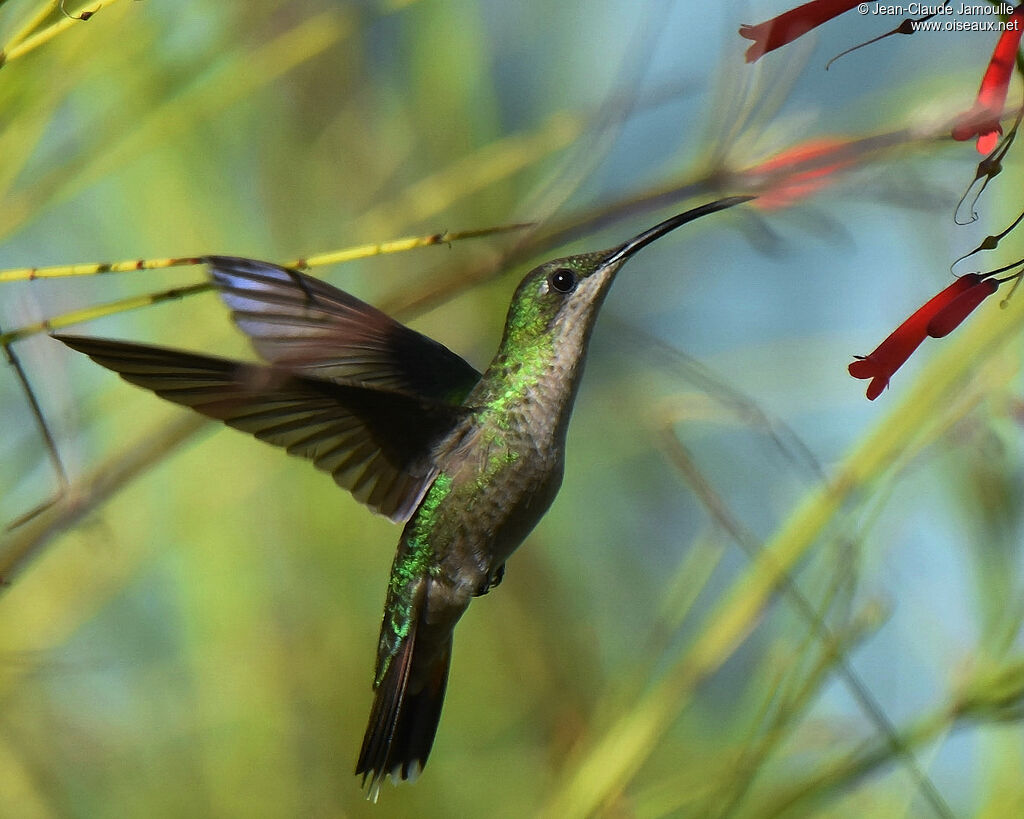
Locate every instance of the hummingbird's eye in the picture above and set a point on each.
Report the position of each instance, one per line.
(562, 281)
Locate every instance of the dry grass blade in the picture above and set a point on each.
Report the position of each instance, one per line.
(85, 495)
(44, 430)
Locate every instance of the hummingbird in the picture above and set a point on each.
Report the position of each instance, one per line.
(469, 462)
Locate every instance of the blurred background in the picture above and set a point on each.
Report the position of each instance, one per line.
(190, 629)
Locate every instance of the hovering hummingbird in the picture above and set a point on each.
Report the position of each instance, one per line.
(469, 462)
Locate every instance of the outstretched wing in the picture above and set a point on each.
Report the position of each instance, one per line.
(375, 443)
(303, 323)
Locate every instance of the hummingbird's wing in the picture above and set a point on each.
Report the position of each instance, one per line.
(303, 323)
(375, 443)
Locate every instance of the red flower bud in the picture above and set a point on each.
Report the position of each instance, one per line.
(785, 28)
(936, 317)
(983, 119)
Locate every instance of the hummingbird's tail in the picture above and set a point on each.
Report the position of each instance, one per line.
(404, 718)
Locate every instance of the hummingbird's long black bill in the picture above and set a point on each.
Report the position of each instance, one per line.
(622, 253)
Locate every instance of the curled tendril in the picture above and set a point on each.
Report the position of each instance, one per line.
(990, 242)
(906, 27)
(83, 16)
(989, 168)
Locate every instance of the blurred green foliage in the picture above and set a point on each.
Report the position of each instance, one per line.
(201, 644)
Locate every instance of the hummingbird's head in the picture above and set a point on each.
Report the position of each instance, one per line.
(557, 302)
(559, 298)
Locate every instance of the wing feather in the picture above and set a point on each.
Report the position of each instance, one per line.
(302, 323)
(376, 443)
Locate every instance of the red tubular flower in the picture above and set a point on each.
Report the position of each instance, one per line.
(936, 317)
(800, 171)
(983, 119)
(785, 28)
(952, 315)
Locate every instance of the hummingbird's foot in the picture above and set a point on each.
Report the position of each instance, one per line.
(491, 582)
